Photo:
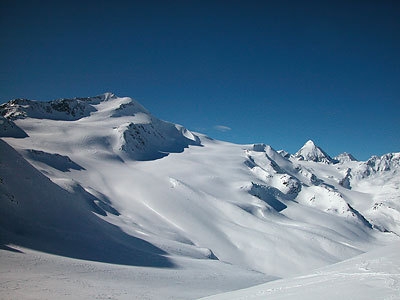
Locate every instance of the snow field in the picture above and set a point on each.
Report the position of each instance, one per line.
(150, 207)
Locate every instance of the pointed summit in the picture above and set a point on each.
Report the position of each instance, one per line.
(312, 152)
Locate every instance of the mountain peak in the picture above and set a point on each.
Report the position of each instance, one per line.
(65, 109)
(60, 109)
(311, 152)
(310, 143)
(109, 95)
(345, 157)
(129, 129)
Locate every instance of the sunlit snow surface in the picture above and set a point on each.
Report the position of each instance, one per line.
(374, 275)
(141, 208)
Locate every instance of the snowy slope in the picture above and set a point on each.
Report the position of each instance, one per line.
(129, 130)
(38, 214)
(9, 129)
(170, 198)
(375, 275)
(370, 188)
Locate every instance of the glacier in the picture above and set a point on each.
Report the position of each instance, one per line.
(100, 184)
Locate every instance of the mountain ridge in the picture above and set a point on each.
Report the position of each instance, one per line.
(192, 197)
(140, 136)
(72, 109)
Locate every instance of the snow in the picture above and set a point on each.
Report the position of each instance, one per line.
(312, 152)
(27, 274)
(374, 275)
(144, 204)
(345, 157)
(9, 129)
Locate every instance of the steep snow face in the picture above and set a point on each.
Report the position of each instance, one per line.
(9, 129)
(284, 153)
(105, 125)
(39, 214)
(379, 176)
(284, 179)
(379, 165)
(312, 152)
(62, 109)
(191, 196)
(345, 157)
(370, 188)
(153, 139)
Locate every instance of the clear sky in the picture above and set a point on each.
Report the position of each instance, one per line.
(277, 72)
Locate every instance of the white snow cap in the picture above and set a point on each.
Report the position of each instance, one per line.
(345, 157)
(109, 95)
(312, 152)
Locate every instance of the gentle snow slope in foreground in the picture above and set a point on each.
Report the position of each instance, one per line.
(374, 275)
(129, 191)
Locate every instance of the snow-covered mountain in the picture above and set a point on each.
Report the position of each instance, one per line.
(101, 179)
(345, 157)
(312, 152)
(130, 130)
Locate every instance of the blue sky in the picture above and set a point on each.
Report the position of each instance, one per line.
(278, 72)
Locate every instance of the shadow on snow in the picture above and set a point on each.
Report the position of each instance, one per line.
(38, 214)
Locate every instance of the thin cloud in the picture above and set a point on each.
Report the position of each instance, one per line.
(222, 128)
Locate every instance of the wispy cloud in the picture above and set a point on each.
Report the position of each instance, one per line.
(222, 128)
